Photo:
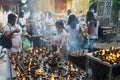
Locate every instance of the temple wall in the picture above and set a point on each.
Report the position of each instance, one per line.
(74, 5)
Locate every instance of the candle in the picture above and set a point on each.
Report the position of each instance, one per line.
(68, 78)
(71, 66)
(19, 50)
(29, 64)
(52, 77)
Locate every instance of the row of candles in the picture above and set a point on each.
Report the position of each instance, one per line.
(111, 55)
(44, 64)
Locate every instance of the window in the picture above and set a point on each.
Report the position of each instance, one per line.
(100, 8)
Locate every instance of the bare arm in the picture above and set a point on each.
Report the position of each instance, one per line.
(26, 35)
(10, 33)
(61, 44)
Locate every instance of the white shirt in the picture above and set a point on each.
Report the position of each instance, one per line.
(94, 32)
(16, 38)
(59, 38)
(22, 21)
(73, 38)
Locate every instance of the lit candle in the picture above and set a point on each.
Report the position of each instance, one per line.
(30, 64)
(19, 50)
(71, 66)
(68, 78)
(36, 51)
(52, 77)
(30, 50)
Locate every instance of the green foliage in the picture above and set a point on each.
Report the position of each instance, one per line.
(91, 2)
(115, 10)
(116, 4)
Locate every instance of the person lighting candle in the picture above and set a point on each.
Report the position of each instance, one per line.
(60, 38)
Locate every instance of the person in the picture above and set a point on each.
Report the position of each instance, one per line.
(21, 20)
(13, 31)
(60, 38)
(66, 16)
(49, 23)
(92, 24)
(90, 18)
(74, 38)
(84, 30)
(79, 15)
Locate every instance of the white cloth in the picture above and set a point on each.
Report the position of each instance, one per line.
(94, 32)
(9, 69)
(22, 21)
(73, 38)
(60, 36)
(49, 22)
(66, 17)
(16, 40)
(79, 16)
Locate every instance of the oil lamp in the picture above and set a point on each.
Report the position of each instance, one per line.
(52, 77)
(39, 72)
(111, 56)
(102, 52)
(68, 78)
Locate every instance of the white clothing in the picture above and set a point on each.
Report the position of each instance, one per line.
(66, 17)
(16, 38)
(60, 36)
(22, 21)
(49, 24)
(79, 16)
(73, 39)
(16, 43)
(94, 32)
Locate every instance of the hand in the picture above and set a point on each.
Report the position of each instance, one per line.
(56, 54)
(58, 51)
(27, 35)
(16, 30)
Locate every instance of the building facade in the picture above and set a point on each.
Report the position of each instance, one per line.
(59, 7)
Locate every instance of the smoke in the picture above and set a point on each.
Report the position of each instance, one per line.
(32, 5)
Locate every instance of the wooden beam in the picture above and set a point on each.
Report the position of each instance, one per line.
(4, 3)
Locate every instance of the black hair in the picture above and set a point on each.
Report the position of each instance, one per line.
(11, 17)
(90, 16)
(59, 23)
(72, 21)
(68, 12)
(21, 13)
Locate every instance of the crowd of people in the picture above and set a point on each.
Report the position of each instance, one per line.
(72, 33)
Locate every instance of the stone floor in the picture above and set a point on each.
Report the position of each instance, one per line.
(3, 68)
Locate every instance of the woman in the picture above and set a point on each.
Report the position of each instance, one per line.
(61, 38)
(13, 31)
(92, 24)
(74, 39)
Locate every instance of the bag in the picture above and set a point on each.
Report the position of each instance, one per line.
(26, 43)
(5, 42)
